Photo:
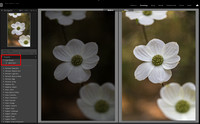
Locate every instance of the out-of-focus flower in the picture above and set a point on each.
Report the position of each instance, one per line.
(66, 17)
(18, 28)
(14, 15)
(98, 102)
(159, 59)
(146, 17)
(78, 58)
(24, 40)
(178, 103)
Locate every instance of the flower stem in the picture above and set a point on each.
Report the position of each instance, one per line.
(63, 31)
(144, 32)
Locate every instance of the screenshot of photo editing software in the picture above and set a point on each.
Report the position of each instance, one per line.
(97, 62)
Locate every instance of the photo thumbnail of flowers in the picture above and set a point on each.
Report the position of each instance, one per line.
(158, 57)
(78, 65)
(18, 30)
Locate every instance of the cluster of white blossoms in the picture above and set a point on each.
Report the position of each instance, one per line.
(95, 102)
(18, 29)
(146, 18)
(65, 18)
(176, 102)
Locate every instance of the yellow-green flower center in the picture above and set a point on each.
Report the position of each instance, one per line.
(18, 28)
(101, 106)
(26, 42)
(157, 60)
(147, 13)
(76, 60)
(66, 13)
(15, 13)
(182, 106)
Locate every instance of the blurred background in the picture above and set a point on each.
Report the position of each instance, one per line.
(13, 38)
(139, 97)
(59, 97)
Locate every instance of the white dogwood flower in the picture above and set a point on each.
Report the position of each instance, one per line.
(24, 40)
(98, 102)
(178, 103)
(14, 15)
(146, 17)
(78, 58)
(66, 17)
(159, 58)
(18, 28)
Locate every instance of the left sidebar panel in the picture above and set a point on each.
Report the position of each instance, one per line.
(19, 58)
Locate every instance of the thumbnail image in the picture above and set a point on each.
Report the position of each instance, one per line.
(18, 30)
(78, 66)
(158, 65)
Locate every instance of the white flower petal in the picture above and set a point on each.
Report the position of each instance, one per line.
(90, 63)
(171, 62)
(53, 14)
(144, 20)
(170, 49)
(156, 45)
(90, 112)
(143, 71)
(110, 115)
(87, 110)
(159, 75)
(13, 25)
(190, 115)
(19, 14)
(65, 21)
(62, 53)
(79, 75)
(22, 37)
(78, 15)
(90, 93)
(171, 93)
(62, 71)
(134, 14)
(75, 46)
(17, 23)
(22, 25)
(90, 49)
(172, 59)
(108, 92)
(169, 110)
(13, 31)
(159, 15)
(18, 32)
(189, 92)
(169, 65)
(143, 53)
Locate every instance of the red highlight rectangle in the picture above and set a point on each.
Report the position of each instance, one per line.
(11, 55)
